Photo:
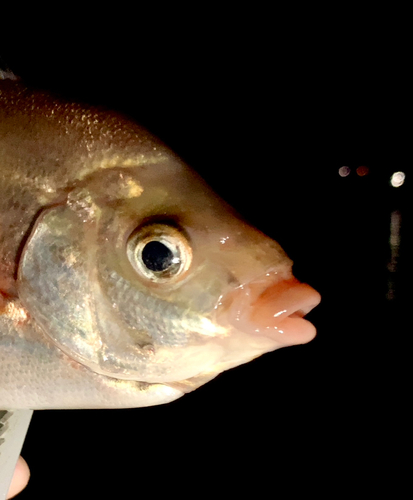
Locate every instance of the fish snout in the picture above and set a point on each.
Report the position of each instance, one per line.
(272, 307)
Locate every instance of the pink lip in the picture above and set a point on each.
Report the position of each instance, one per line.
(274, 308)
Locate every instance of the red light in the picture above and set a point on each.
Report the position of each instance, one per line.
(362, 171)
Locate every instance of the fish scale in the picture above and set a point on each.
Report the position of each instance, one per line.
(166, 323)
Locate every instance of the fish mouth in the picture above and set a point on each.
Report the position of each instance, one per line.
(273, 307)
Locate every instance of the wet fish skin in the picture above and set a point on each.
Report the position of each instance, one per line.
(83, 324)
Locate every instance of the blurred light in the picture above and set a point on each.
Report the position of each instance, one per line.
(397, 179)
(344, 171)
(392, 266)
(362, 171)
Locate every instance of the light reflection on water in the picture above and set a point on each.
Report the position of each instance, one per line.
(394, 240)
(376, 211)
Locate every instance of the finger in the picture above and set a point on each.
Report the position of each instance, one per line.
(20, 478)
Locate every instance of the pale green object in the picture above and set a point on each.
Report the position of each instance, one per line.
(13, 428)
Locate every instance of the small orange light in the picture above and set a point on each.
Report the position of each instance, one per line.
(362, 171)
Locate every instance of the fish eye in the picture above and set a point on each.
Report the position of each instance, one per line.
(159, 252)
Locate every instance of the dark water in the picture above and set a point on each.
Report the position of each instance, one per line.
(307, 417)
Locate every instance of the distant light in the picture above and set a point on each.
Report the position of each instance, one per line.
(362, 171)
(344, 171)
(397, 179)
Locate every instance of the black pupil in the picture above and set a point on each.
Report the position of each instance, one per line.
(156, 256)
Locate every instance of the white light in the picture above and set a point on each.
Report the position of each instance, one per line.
(397, 179)
(344, 171)
(209, 329)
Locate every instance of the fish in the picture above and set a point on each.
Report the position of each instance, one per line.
(125, 280)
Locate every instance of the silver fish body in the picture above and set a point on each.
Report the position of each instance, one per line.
(124, 280)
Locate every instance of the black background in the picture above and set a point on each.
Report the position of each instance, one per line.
(268, 120)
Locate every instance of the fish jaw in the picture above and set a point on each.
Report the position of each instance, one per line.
(259, 317)
(264, 315)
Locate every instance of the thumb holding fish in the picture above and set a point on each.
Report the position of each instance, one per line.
(20, 478)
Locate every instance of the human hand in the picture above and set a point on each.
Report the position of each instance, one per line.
(20, 478)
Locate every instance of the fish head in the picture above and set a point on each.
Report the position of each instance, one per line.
(144, 273)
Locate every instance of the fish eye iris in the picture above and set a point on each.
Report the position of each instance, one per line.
(160, 253)
(157, 257)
